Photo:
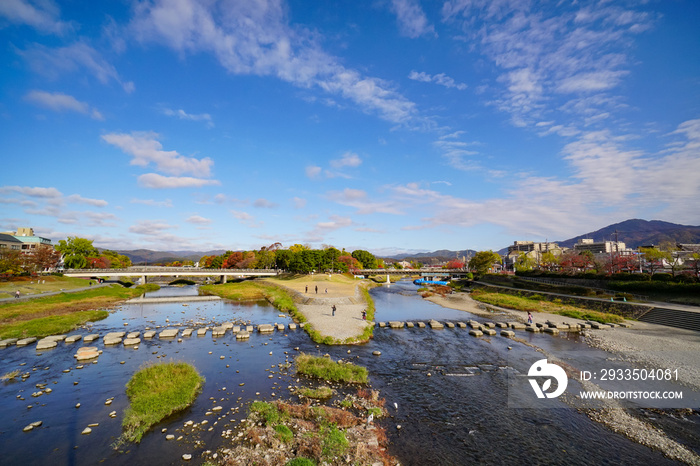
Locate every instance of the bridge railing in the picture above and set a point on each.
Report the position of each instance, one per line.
(183, 270)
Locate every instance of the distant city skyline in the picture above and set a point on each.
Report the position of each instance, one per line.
(391, 126)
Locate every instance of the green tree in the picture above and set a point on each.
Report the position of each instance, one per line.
(75, 251)
(654, 258)
(549, 260)
(10, 261)
(524, 263)
(365, 258)
(483, 261)
(331, 258)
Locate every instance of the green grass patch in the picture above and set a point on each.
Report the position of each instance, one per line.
(535, 303)
(284, 433)
(334, 444)
(300, 462)
(327, 369)
(62, 312)
(267, 411)
(54, 325)
(319, 393)
(157, 391)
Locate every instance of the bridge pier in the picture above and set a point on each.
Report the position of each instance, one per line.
(143, 279)
(223, 278)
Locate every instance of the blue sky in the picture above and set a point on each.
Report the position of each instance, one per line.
(387, 125)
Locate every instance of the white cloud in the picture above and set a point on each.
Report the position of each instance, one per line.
(43, 15)
(411, 18)
(264, 204)
(145, 148)
(198, 220)
(298, 202)
(150, 202)
(52, 62)
(313, 171)
(78, 199)
(47, 193)
(156, 181)
(358, 199)
(255, 38)
(181, 114)
(59, 102)
(348, 159)
(441, 79)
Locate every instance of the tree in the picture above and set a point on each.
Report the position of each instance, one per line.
(524, 262)
(76, 251)
(43, 257)
(331, 258)
(483, 261)
(365, 258)
(549, 260)
(10, 261)
(454, 264)
(693, 263)
(654, 258)
(349, 263)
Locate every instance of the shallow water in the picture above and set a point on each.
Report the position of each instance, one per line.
(457, 415)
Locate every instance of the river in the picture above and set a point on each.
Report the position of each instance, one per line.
(458, 414)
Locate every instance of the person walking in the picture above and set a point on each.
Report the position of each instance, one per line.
(333, 310)
(364, 315)
(306, 290)
(316, 289)
(529, 318)
(17, 294)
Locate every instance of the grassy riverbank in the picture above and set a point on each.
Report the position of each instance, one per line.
(155, 393)
(535, 304)
(61, 313)
(42, 284)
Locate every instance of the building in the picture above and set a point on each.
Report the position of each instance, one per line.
(27, 239)
(9, 242)
(601, 247)
(531, 249)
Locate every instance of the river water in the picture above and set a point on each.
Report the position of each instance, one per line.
(458, 414)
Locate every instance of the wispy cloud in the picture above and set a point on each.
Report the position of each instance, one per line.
(411, 18)
(255, 38)
(156, 181)
(77, 57)
(62, 102)
(198, 220)
(145, 149)
(442, 79)
(150, 202)
(181, 114)
(43, 15)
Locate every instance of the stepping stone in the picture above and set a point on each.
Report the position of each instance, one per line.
(133, 335)
(114, 335)
(395, 324)
(625, 325)
(517, 325)
(476, 333)
(382, 324)
(218, 331)
(73, 338)
(45, 344)
(489, 325)
(7, 342)
(91, 337)
(420, 324)
(461, 325)
(292, 326)
(187, 332)
(242, 336)
(249, 328)
(265, 328)
(112, 341)
(86, 353)
(552, 330)
(26, 341)
(507, 333)
(236, 328)
(202, 331)
(132, 341)
(168, 333)
(227, 325)
(489, 331)
(280, 327)
(501, 325)
(149, 334)
(435, 325)
(409, 324)
(533, 329)
(449, 325)
(474, 324)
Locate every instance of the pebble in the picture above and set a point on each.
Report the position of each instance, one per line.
(186, 457)
(86, 431)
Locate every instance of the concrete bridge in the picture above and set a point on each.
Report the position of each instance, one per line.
(153, 271)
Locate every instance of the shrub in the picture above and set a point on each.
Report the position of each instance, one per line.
(327, 369)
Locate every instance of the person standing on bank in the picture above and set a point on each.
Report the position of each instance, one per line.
(316, 289)
(333, 308)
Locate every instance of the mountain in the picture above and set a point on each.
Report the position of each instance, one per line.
(146, 256)
(637, 232)
(435, 257)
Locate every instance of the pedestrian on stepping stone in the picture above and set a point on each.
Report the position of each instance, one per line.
(364, 315)
(316, 289)
(306, 290)
(529, 318)
(333, 310)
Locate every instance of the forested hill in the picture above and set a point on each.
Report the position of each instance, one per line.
(636, 232)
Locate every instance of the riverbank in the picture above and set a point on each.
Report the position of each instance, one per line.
(649, 345)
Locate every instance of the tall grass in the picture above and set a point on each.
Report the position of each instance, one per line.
(157, 391)
(327, 369)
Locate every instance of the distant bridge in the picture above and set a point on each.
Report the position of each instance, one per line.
(225, 274)
(154, 271)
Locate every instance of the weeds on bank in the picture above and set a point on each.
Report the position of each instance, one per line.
(535, 303)
(157, 391)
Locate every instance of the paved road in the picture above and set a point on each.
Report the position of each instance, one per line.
(648, 304)
(52, 293)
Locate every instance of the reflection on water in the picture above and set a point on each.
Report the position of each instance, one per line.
(456, 415)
